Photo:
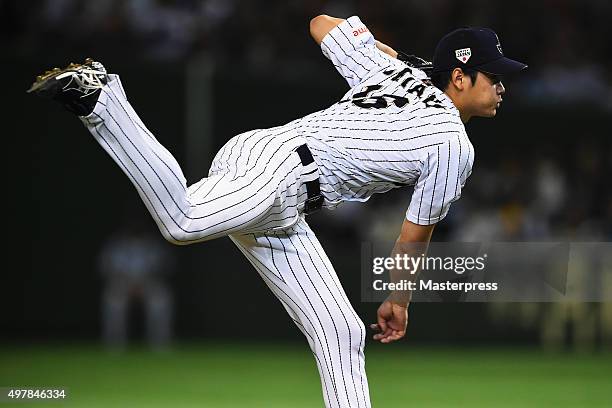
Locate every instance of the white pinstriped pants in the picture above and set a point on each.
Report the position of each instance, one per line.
(254, 194)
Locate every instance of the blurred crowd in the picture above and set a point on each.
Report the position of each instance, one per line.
(521, 197)
(517, 196)
(565, 42)
(539, 199)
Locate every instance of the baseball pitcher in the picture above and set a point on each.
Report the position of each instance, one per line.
(401, 123)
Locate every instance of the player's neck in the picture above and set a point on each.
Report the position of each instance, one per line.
(457, 101)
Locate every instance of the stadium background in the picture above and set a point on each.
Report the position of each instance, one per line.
(199, 72)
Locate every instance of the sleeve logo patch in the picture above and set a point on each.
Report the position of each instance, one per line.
(463, 54)
(360, 30)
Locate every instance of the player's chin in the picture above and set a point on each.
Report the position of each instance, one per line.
(489, 113)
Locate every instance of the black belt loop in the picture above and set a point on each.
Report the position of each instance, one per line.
(314, 202)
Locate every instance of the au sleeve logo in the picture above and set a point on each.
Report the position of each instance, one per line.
(360, 30)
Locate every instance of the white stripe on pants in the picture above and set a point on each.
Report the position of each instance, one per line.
(254, 194)
(295, 267)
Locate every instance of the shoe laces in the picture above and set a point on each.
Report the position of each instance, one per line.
(85, 80)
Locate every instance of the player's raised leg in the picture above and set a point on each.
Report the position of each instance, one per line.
(295, 267)
(219, 205)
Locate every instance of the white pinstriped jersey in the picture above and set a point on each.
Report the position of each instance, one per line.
(389, 130)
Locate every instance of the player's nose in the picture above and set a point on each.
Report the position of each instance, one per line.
(500, 88)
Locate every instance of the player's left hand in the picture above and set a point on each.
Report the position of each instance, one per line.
(392, 322)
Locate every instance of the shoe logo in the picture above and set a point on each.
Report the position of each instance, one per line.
(463, 54)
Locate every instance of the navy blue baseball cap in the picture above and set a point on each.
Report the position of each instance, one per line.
(476, 48)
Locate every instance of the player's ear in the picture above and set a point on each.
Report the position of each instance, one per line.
(458, 79)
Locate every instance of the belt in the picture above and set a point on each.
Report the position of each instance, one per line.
(314, 202)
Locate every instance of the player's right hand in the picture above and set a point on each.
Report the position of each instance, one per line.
(392, 322)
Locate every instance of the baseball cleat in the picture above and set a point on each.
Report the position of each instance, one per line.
(77, 86)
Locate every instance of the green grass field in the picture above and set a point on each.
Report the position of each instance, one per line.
(212, 375)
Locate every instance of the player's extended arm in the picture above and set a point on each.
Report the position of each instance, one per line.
(386, 49)
(392, 315)
(323, 24)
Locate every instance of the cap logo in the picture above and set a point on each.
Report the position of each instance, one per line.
(463, 54)
(498, 45)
